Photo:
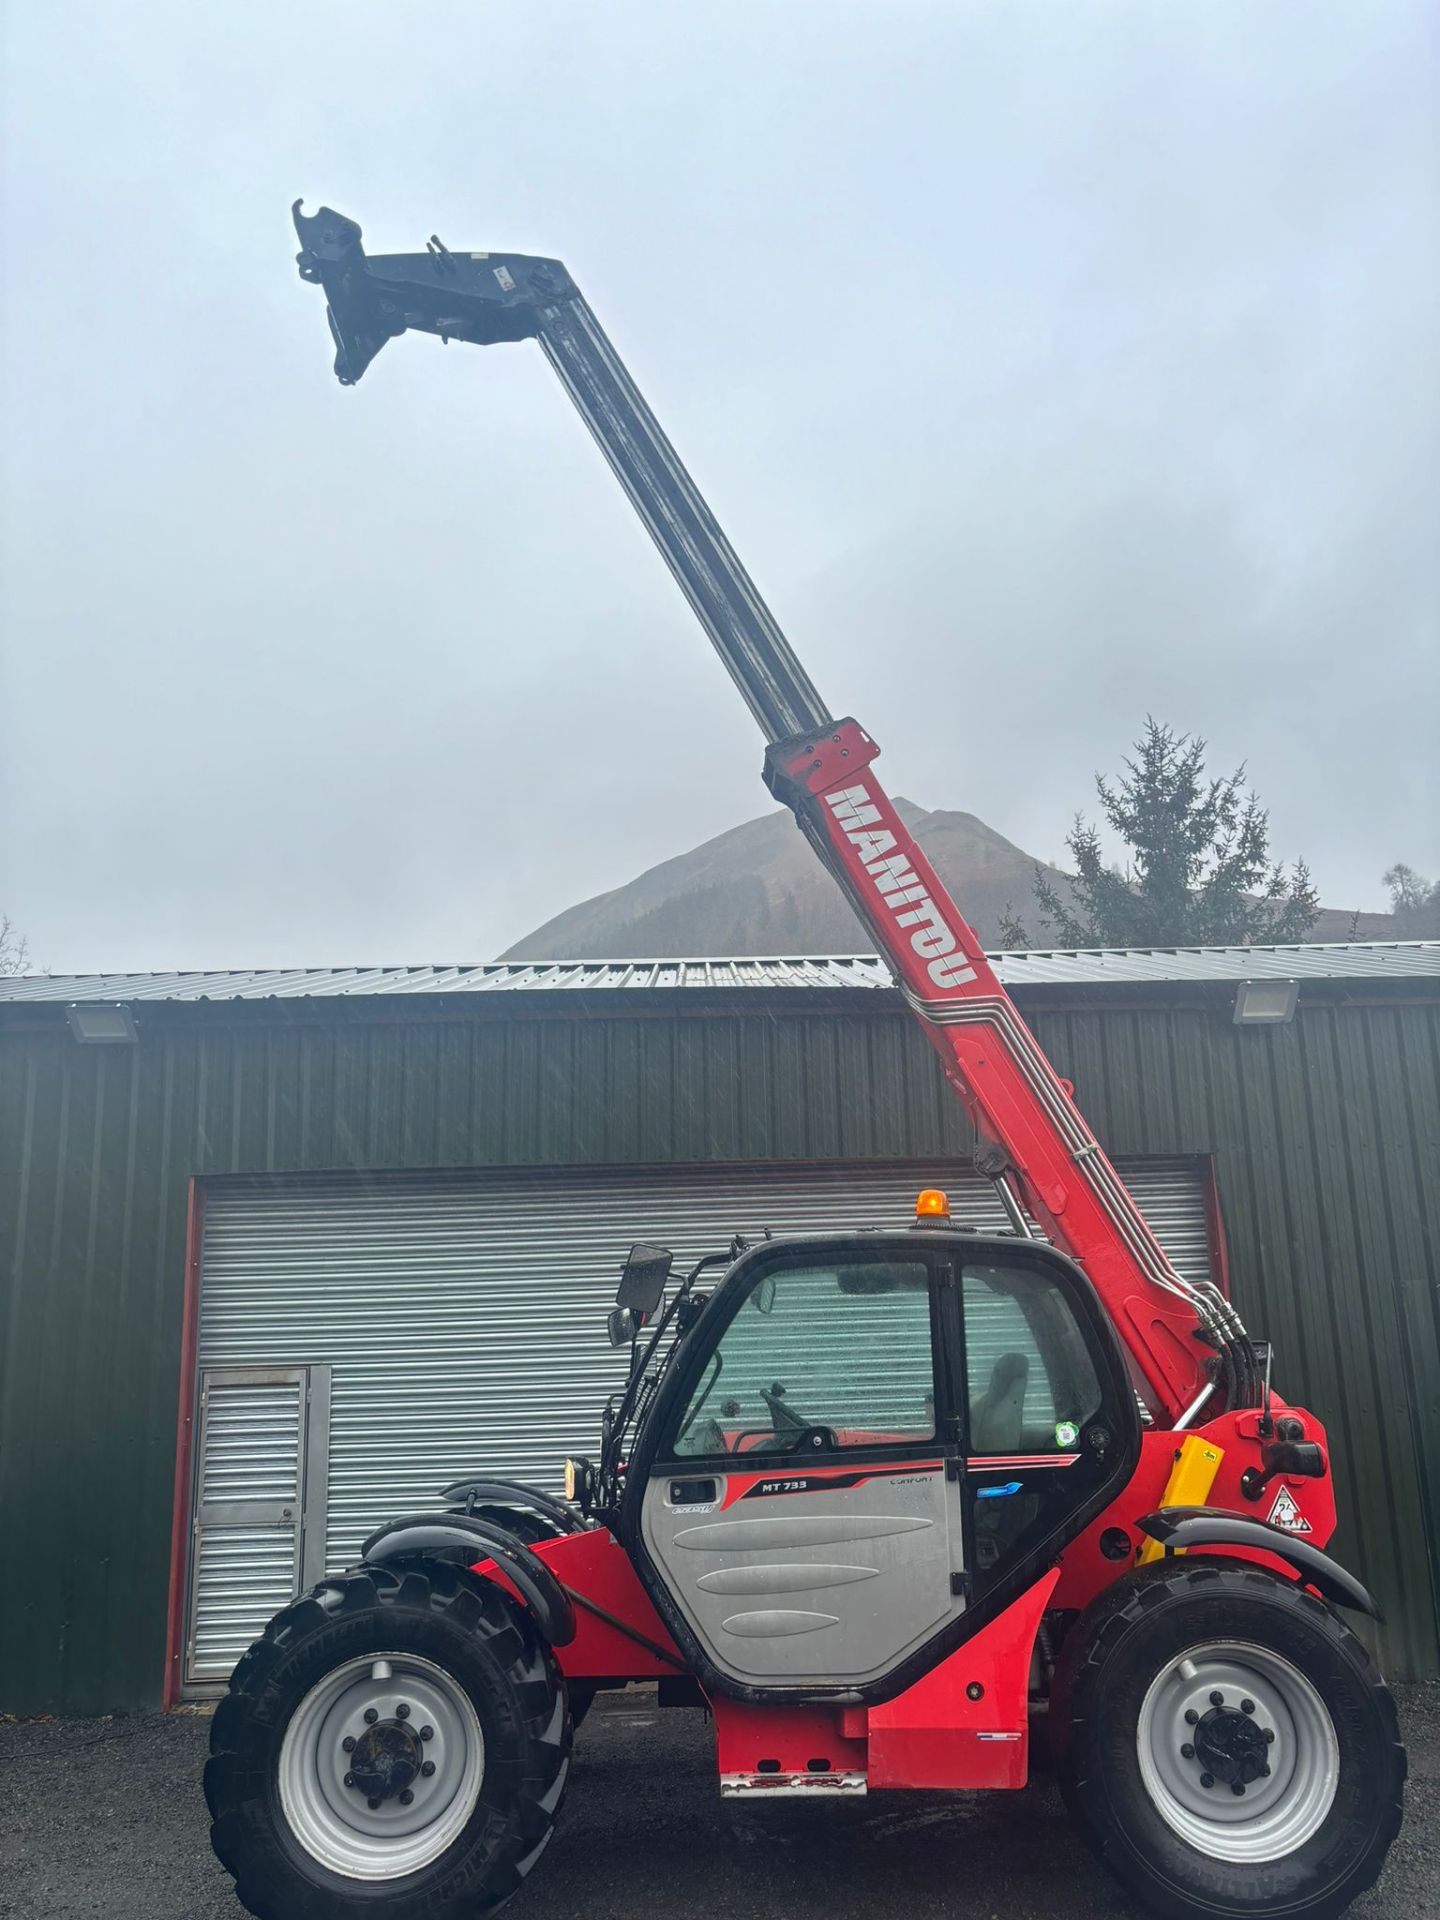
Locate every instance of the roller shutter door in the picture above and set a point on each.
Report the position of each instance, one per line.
(461, 1319)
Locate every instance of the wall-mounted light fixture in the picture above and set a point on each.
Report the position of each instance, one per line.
(109, 1024)
(1265, 1003)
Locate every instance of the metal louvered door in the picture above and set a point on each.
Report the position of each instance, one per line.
(259, 1478)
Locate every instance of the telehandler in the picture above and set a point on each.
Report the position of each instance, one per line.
(890, 1504)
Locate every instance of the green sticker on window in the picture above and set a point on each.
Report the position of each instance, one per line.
(1066, 1433)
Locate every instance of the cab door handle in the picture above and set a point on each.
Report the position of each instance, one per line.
(693, 1493)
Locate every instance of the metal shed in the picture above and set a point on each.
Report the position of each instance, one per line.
(359, 1222)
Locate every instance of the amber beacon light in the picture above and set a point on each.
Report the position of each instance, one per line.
(932, 1204)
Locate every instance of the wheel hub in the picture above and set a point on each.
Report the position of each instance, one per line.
(1237, 1751)
(1229, 1745)
(380, 1766)
(386, 1760)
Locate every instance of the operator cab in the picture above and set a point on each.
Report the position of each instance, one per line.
(868, 1442)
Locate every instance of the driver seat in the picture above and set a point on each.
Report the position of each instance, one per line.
(997, 1420)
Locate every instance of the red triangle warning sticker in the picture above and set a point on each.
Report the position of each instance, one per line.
(1286, 1514)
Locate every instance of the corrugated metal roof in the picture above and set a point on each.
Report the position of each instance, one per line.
(1358, 960)
(1132, 966)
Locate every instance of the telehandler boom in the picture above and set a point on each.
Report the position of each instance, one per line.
(883, 1501)
(823, 769)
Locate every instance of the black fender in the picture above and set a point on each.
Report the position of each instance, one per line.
(485, 1492)
(417, 1536)
(1177, 1527)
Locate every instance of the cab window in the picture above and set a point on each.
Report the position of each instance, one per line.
(819, 1357)
(1031, 1383)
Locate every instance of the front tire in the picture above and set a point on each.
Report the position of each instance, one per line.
(1227, 1745)
(400, 1733)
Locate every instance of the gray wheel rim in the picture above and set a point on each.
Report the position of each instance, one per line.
(1220, 1700)
(342, 1826)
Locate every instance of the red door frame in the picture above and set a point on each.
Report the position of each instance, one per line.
(184, 1447)
(1214, 1223)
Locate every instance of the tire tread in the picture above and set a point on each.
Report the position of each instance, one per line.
(1084, 1673)
(536, 1771)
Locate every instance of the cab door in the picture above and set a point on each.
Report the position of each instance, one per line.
(803, 1510)
(1051, 1425)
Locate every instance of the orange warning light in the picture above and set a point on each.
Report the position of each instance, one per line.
(932, 1204)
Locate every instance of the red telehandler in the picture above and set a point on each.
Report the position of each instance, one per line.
(888, 1503)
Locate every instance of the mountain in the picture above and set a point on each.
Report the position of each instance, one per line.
(760, 889)
(1340, 923)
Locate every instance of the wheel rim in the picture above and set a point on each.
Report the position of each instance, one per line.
(414, 1763)
(1238, 1752)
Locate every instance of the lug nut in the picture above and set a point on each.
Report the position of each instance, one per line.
(1192, 1718)
(1264, 1772)
(374, 1805)
(1207, 1779)
(1187, 1752)
(372, 1714)
(1269, 1736)
(348, 1743)
(427, 1733)
(427, 1767)
(406, 1796)
(1217, 1698)
(1237, 1786)
(402, 1712)
(349, 1779)
(1247, 1706)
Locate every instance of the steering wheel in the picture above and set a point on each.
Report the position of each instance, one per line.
(798, 1439)
(783, 1419)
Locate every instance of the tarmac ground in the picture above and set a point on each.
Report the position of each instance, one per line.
(104, 1818)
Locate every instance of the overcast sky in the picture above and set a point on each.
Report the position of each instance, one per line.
(1048, 365)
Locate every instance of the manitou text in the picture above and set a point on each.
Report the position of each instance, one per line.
(900, 887)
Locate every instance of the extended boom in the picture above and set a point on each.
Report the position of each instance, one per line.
(1186, 1342)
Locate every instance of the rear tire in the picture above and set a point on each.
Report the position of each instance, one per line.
(414, 1667)
(1227, 1744)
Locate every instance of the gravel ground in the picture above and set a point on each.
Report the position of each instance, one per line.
(105, 1818)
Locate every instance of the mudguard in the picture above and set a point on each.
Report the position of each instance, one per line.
(453, 1536)
(1180, 1527)
(514, 1496)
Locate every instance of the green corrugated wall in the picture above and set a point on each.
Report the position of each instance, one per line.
(1326, 1137)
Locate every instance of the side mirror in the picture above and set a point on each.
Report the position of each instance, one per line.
(643, 1277)
(623, 1324)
